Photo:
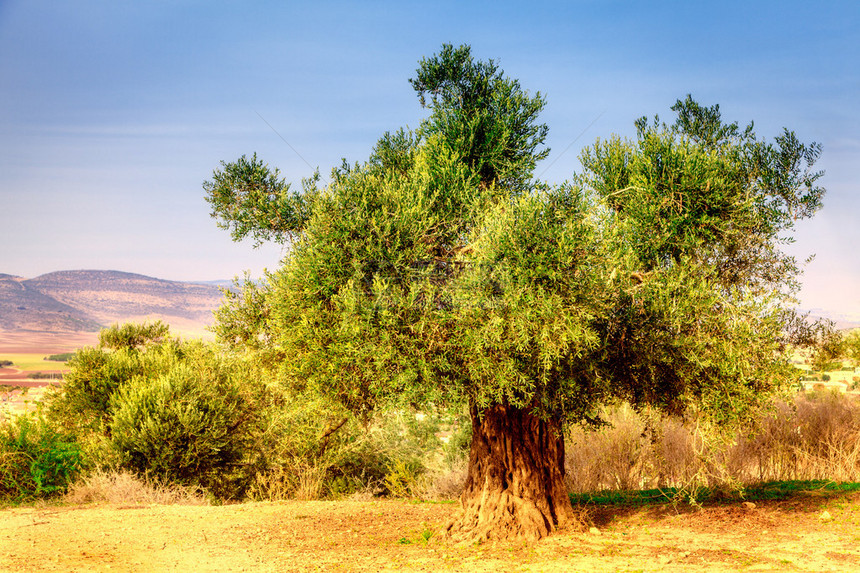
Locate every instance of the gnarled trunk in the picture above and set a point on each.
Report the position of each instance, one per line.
(515, 487)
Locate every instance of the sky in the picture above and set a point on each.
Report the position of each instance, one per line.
(113, 113)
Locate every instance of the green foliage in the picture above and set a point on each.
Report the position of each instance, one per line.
(403, 478)
(241, 322)
(64, 357)
(484, 117)
(440, 272)
(248, 199)
(131, 335)
(178, 412)
(422, 537)
(4, 363)
(852, 346)
(186, 427)
(45, 376)
(309, 441)
(82, 405)
(36, 460)
(830, 347)
(704, 189)
(703, 209)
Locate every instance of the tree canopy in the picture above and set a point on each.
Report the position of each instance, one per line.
(442, 271)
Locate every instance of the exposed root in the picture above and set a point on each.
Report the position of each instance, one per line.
(505, 518)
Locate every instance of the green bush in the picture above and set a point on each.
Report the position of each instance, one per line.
(82, 406)
(178, 412)
(312, 448)
(193, 414)
(64, 357)
(185, 427)
(36, 461)
(133, 335)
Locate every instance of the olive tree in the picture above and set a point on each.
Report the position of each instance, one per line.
(441, 271)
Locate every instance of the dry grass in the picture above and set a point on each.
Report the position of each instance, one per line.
(446, 484)
(817, 436)
(301, 482)
(125, 488)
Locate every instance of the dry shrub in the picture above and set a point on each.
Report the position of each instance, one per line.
(311, 483)
(299, 481)
(447, 484)
(816, 436)
(125, 488)
(611, 457)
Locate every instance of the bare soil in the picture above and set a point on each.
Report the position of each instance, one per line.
(793, 535)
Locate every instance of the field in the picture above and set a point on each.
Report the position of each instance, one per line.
(44, 343)
(33, 362)
(789, 535)
(27, 352)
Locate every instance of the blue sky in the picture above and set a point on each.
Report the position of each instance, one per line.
(113, 113)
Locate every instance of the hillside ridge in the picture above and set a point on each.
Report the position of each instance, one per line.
(87, 300)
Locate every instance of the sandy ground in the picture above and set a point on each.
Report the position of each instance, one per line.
(390, 536)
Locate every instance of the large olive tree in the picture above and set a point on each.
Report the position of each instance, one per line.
(441, 271)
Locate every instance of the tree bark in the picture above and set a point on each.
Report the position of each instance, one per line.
(515, 486)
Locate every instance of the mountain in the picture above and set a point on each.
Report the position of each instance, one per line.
(85, 301)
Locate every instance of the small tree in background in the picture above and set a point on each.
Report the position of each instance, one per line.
(133, 335)
(440, 271)
(82, 404)
(829, 350)
(852, 346)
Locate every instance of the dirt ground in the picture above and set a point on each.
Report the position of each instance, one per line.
(795, 535)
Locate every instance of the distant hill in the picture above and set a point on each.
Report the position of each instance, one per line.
(85, 301)
(841, 320)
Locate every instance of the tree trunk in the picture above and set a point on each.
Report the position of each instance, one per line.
(515, 488)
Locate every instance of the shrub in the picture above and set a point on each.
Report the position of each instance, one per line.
(314, 449)
(185, 427)
(813, 436)
(82, 405)
(192, 415)
(123, 487)
(45, 376)
(36, 461)
(132, 335)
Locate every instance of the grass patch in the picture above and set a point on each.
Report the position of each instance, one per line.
(782, 490)
(634, 498)
(777, 491)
